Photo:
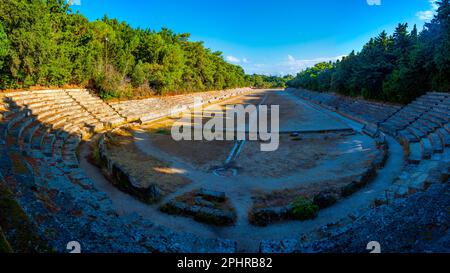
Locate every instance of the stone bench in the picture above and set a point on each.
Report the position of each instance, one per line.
(415, 153)
(434, 119)
(442, 112)
(436, 143)
(427, 148)
(407, 137)
(445, 136)
(418, 130)
(371, 130)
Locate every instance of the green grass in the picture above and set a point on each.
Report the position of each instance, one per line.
(304, 209)
(163, 132)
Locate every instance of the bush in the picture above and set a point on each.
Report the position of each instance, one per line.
(138, 75)
(304, 209)
(108, 84)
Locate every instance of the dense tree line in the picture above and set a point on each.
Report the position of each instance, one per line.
(264, 81)
(395, 68)
(42, 42)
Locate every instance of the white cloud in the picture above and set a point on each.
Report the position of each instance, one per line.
(427, 15)
(434, 4)
(233, 59)
(236, 60)
(374, 2)
(290, 65)
(294, 65)
(74, 2)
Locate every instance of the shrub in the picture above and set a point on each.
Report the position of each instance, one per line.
(304, 209)
(108, 84)
(138, 75)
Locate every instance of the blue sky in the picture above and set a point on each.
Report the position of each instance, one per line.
(269, 36)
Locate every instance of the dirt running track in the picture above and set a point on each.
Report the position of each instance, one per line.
(296, 163)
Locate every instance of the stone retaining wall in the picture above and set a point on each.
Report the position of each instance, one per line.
(120, 177)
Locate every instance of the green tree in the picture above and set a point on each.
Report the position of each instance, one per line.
(4, 46)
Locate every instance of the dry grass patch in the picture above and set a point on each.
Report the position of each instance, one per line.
(162, 126)
(285, 197)
(146, 170)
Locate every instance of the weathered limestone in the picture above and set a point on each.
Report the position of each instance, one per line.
(123, 180)
(147, 110)
(203, 205)
(39, 134)
(363, 111)
(97, 107)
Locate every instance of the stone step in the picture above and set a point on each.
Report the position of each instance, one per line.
(94, 126)
(389, 128)
(429, 117)
(419, 107)
(442, 113)
(38, 137)
(436, 143)
(442, 94)
(56, 107)
(24, 124)
(407, 137)
(415, 153)
(52, 117)
(113, 122)
(104, 116)
(399, 122)
(27, 95)
(427, 149)
(430, 126)
(83, 120)
(445, 136)
(371, 130)
(428, 101)
(447, 127)
(14, 118)
(47, 145)
(38, 102)
(416, 132)
(67, 116)
(30, 131)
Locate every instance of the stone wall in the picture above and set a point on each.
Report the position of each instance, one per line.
(120, 177)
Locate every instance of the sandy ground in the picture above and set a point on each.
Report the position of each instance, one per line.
(259, 172)
(327, 156)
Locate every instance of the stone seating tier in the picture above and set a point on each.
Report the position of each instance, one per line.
(422, 126)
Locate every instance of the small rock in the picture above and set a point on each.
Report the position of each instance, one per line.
(325, 199)
(212, 195)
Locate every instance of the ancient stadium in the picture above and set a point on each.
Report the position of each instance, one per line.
(109, 175)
